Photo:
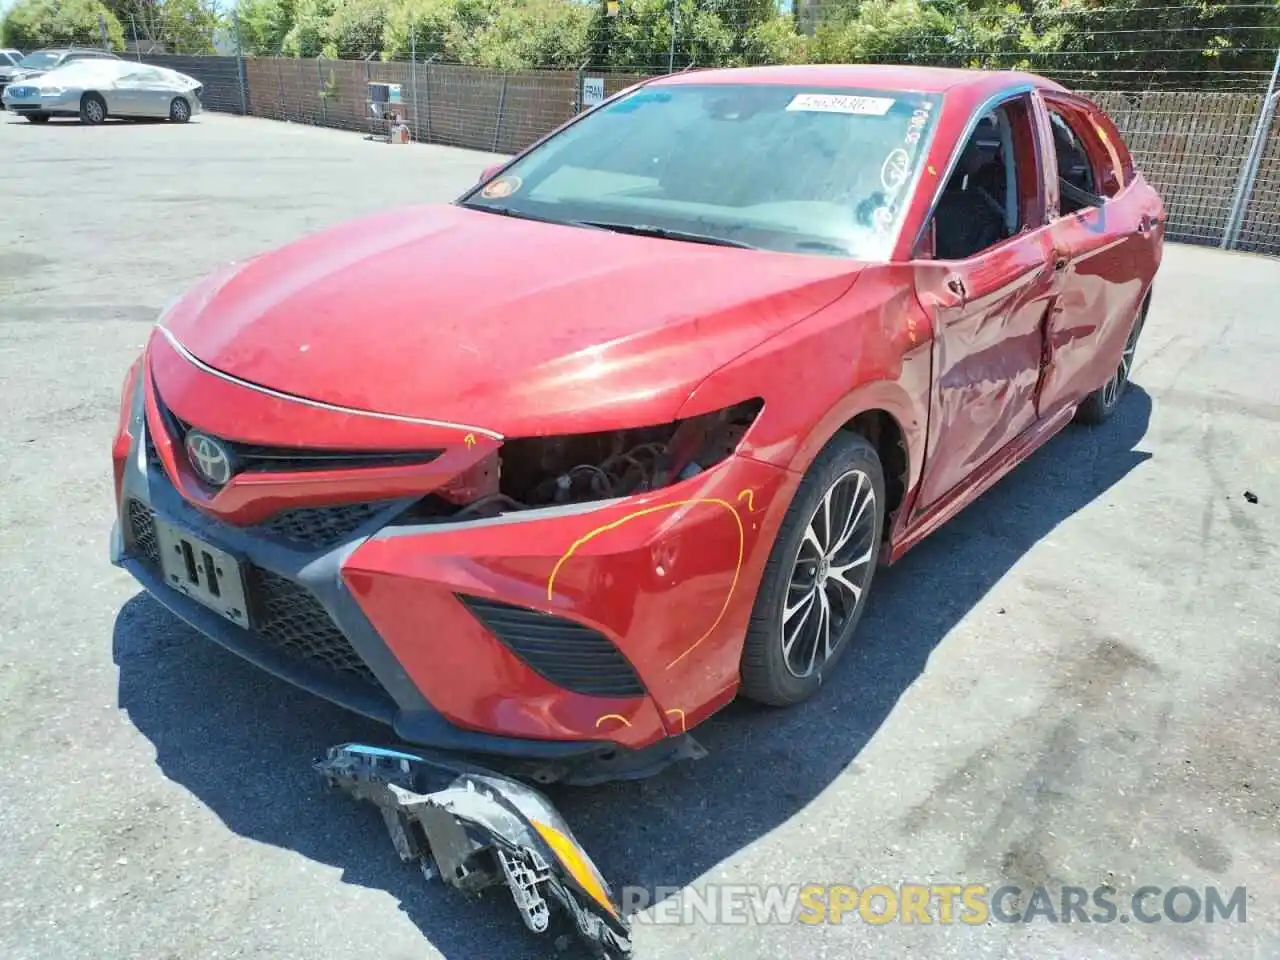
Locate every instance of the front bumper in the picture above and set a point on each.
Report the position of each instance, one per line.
(396, 622)
(67, 104)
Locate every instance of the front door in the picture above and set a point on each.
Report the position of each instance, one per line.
(987, 351)
(988, 304)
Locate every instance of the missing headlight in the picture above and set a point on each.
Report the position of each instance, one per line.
(541, 471)
(529, 472)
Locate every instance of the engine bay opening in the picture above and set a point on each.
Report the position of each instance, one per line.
(530, 472)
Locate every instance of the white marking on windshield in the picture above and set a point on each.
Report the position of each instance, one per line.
(840, 103)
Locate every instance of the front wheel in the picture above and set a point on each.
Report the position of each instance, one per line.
(93, 109)
(818, 576)
(179, 110)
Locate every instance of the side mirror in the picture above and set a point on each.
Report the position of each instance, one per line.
(489, 171)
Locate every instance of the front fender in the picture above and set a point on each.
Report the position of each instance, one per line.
(871, 349)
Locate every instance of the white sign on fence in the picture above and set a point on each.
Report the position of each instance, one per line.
(592, 91)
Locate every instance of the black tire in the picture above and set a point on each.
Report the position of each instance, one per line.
(37, 117)
(1098, 406)
(767, 675)
(93, 109)
(179, 110)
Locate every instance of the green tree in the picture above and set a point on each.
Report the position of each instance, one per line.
(188, 26)
(889, 31)
(641, 36)
(420, 26)
(309, 35)
(52, 23)
(774, 41)
(529, 33)
(355, 27)
(1158, 43)
(264, 25)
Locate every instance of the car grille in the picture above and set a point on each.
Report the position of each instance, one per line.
(569, 654)
(250, 457)
(317, 528)
(142, 531)
(286, 615)
(311, 528)
(289, 617)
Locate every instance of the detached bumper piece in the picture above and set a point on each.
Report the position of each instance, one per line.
(476, 829)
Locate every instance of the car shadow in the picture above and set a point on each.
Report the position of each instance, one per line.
(74, 122)
(241, 741)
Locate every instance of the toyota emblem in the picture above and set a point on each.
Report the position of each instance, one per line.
(208, 458)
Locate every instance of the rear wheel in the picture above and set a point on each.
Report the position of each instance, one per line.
(819, 574)
(93, 109)
(179, 110)
(1098, 406)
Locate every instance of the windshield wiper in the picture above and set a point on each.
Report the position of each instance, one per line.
(522, 215)
(647, 230)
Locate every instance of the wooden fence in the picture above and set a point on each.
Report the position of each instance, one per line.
(1191, 146)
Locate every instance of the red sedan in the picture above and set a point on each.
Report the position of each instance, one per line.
(644, 410)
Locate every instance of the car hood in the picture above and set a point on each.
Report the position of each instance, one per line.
(459, 315)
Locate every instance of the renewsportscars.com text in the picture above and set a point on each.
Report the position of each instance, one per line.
(940, 903)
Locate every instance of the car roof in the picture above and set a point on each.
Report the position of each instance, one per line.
(871, 76)
(88, 51)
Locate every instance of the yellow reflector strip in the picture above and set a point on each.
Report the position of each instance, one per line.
(573, 861)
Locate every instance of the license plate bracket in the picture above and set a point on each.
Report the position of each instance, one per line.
(202, 572)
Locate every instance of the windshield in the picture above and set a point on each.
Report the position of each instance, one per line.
(39, 60)
(784, 168)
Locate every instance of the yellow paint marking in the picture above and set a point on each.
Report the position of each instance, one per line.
(614, 524)
(750, 496)
(613, 716)
(469, 439)
(683, 729)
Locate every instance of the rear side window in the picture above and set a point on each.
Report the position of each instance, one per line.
(1091, 155)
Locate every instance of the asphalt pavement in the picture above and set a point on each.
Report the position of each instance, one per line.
(1076, 683)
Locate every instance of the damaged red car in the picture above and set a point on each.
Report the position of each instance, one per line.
(645, 409)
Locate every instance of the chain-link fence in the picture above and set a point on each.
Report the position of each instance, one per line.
(1193, 87)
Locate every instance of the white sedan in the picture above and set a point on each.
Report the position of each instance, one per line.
(95, 90)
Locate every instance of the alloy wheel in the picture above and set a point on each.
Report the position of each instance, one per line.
(831, 571)
(93, 111)
(1111, 392)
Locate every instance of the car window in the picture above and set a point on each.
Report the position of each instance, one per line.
(993, 191)
(11, 57)
(1088, 160)
(778, 167)
(142, 75)
(40, 60)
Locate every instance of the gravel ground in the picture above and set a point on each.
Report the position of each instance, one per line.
(1074, 683)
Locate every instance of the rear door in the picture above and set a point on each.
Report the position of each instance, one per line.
(136, 93)
(1101, 235)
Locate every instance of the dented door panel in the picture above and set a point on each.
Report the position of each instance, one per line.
(988, 316)
(1107, 253)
